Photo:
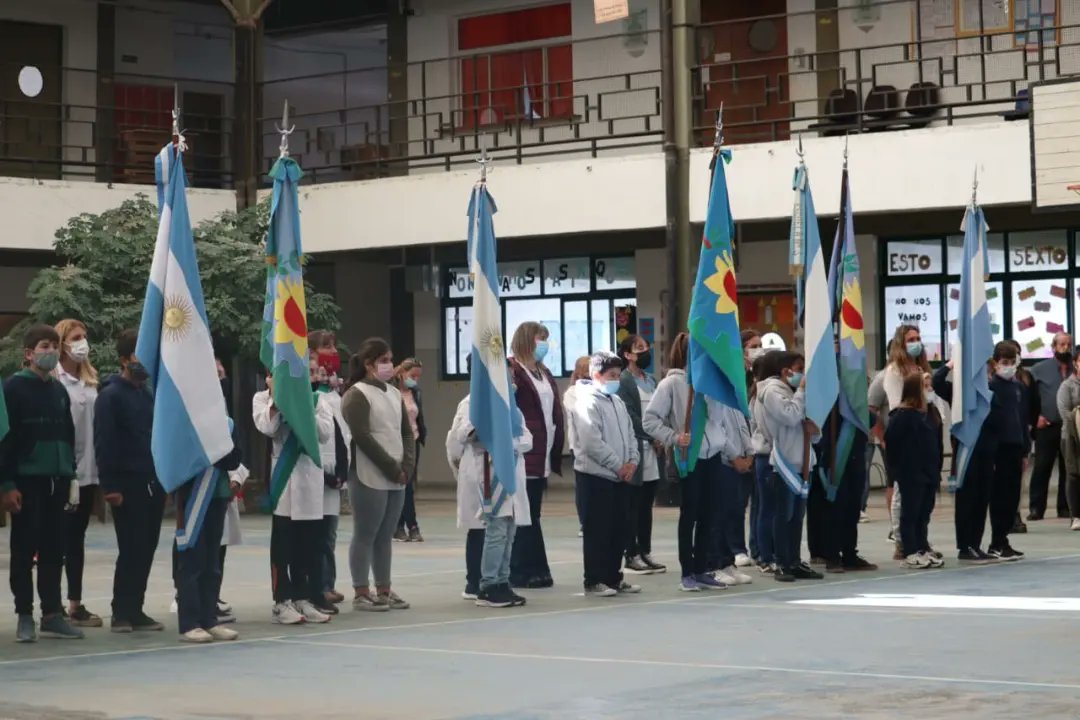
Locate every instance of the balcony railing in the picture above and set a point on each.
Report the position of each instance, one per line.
(86, 125)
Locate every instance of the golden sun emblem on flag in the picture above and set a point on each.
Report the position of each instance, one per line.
(851, 317)
(290, 315)
(176, 320)
(489, 341)
(722, 284)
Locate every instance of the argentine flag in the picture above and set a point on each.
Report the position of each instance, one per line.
(191, 426)
(490, 403)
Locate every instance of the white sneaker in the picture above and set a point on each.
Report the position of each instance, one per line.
(223, 607)
(916, 561)
(1075, 524)
(737, 575)
(600, 590)
(198, 635)
(864, 518)
(285, 613)
(174, 607)
(722, 576)
(743, 560)
(311, 613)
(221, 633)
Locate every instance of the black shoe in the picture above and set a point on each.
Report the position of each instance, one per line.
(1013, 552)
(859, 564)
(518, 599)
(802, 571)
(968, 555)
(496, 596)
(1034, 517)
(470, 592)
(144, 623)
(120, 625)
(1005, 553)
(818, 561)
(328, 608)
(784, 575)
(1019, 527)
(539, 582)
(834, 566)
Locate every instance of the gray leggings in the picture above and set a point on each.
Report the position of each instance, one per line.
(375, 516)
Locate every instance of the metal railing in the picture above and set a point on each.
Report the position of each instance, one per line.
(89, 126)
(521, 103)
(943, 73)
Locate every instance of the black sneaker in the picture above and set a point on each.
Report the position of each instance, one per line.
(120, 625)
(145, 623)
(518, 599)
(496, 596)
(802, 571)
(637, 566)
(539, 582)
(834, 566)
(325, 607)
(1019, 527)
(859, 564)
(26, 632)
(653, 565)
(1011, 552)
(84, 618)
(968, 555)
(415, 536)
(55, 626)
(401, 536)
(784, 575)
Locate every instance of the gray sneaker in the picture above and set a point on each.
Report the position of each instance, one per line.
(55, 626)
(26, 632)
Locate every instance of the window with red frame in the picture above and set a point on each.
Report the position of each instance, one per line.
(531, 83)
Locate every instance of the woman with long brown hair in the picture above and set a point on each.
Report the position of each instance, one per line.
(78, 376)
(538, 399)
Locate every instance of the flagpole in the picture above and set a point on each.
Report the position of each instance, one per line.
(718, 142)
(841, 237)
(802, 272)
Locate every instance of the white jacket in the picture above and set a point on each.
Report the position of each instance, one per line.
(303, 495)
(328, 453)
(466, 458)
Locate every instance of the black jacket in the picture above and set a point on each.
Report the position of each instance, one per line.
(41, 439)
(915, 447)
(1010, 409)
(123, 424)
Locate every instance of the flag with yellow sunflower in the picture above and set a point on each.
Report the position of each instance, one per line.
(284, 349)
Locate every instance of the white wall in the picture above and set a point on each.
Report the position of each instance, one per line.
(35, 209)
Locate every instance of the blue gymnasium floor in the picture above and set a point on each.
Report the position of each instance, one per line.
(761, 651)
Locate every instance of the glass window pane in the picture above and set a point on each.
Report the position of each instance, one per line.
(451, 341)
(918, 305)
(995, 247)
(995, 298)
(615, 273)
(914, 257)
(602, 321)
(1039, 310)
(1038, 251)
(465, 328)
(564, 276)
(546, 312)
(575, 331)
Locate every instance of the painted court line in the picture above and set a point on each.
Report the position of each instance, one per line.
(691, 665)
(953, 602)
(602, 605)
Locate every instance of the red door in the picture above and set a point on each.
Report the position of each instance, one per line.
(744, 65)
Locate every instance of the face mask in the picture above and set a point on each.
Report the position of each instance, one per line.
(753, 354)
(644, 358)
(1064, 358)
(611, 387)
(137, 372)
(329, 361)
(46, 361)
(79, 350)
(1006, 372)
(914, 349)
(541, 350)
(795, 380)
(411, 383)
(384, 371)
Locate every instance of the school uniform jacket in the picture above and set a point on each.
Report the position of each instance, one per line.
(466, 458)
(302, 498)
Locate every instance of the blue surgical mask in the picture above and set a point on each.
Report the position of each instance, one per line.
(914, 349)
(611, 387)
(541, 350)
(795, 380)
(411, 383)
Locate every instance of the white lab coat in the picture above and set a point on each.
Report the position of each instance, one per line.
(232, 534)
(303, 496)
(466, 458)
(328, 452)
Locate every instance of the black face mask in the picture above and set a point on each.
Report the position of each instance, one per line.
(1064, 358)
(644, 358)
(137, 372)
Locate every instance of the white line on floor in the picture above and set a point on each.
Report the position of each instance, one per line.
(691, 665)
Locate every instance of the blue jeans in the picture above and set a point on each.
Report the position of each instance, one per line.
(329, 544)
(766, 510)
(498, 544)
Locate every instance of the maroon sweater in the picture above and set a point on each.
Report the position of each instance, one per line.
(528, 401)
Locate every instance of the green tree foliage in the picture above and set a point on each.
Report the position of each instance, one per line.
(105, 263)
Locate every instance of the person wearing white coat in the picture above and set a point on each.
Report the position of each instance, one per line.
(335, 464)
(295, 541)
(489, 542)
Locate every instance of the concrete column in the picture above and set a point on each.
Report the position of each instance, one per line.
(104, 125)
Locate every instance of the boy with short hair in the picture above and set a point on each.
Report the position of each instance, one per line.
(605, 460)
(37, 463)
(123, 425)
(1009, 416)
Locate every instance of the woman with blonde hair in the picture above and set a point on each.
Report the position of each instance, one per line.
(407, 380)
(569, 400)
(537, 397)
(78, 376)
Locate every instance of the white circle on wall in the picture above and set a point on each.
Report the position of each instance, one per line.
(30, 81)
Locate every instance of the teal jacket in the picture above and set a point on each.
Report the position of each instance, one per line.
(41, 440)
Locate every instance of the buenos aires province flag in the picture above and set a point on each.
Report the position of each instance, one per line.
(191, 426)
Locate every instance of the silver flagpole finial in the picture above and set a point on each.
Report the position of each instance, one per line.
(285, 130)
(718, 135)
(975, 186)
(483, 161)
(799, 149)
(845, 150)
(176, 113)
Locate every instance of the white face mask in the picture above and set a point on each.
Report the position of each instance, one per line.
(931, 396)
(753, 354)
(79, 350)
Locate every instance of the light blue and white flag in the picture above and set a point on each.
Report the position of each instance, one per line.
(191, 426)
(491, 405)
(974, 344)
(822, 378)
